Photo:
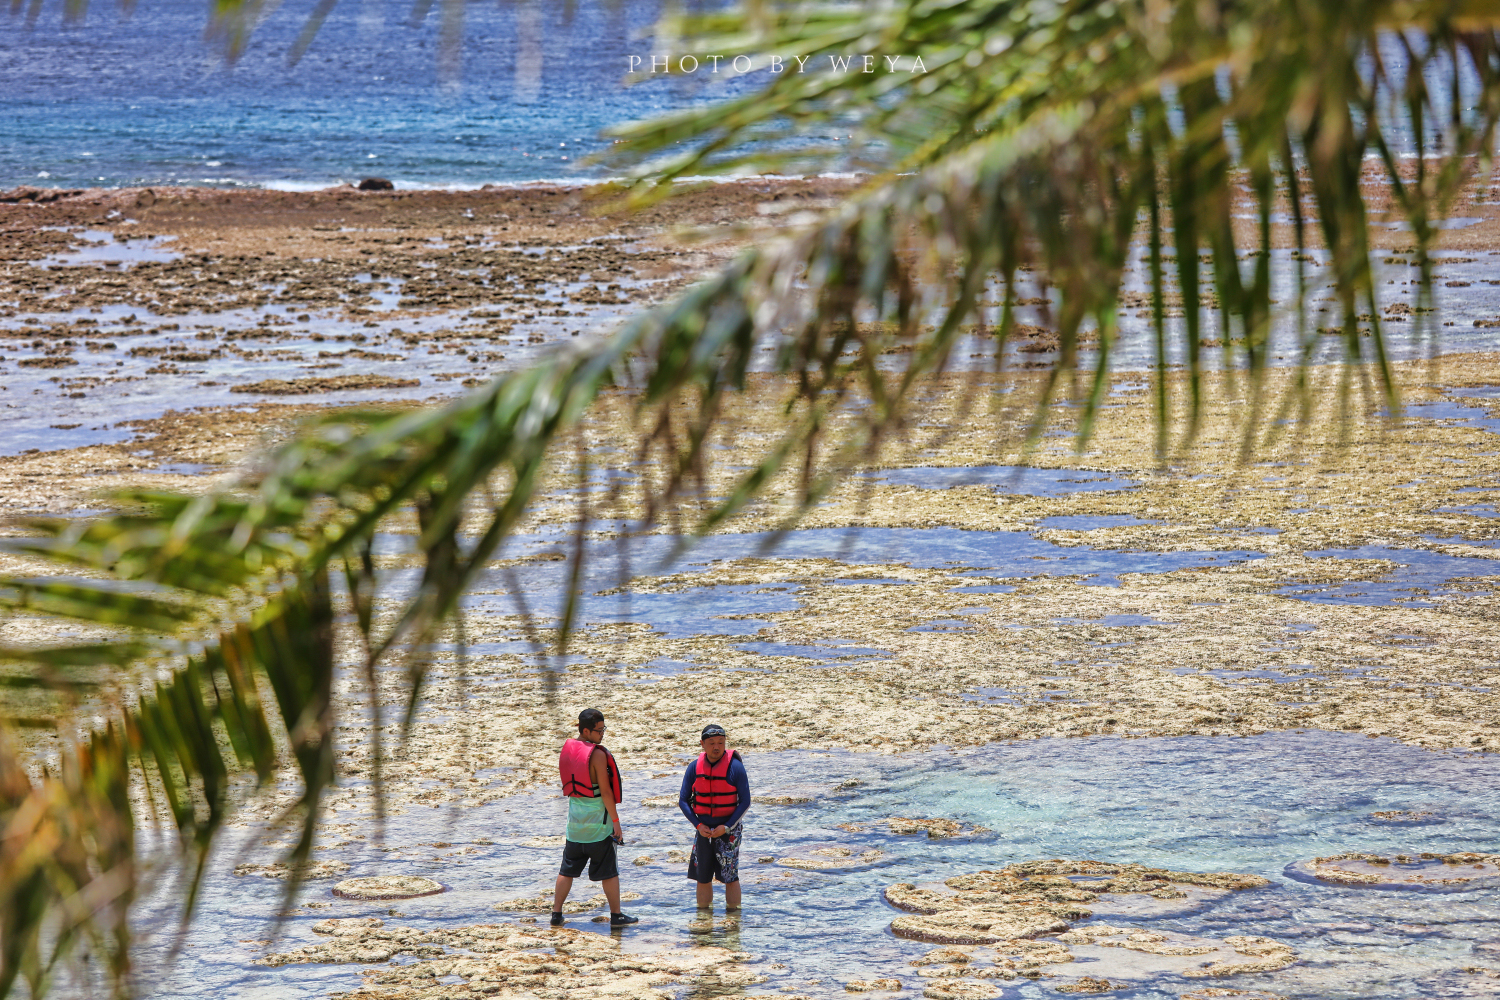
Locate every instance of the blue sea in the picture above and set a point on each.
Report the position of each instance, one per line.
(145, 97)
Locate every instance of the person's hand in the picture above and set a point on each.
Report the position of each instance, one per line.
(704, 831)
(719, 831)
(619, 833)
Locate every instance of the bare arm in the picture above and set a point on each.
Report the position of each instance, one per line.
(600, 773)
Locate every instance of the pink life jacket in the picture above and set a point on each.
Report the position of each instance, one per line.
(573, 765)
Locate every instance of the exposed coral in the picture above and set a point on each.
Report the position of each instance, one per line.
(831, 859)
(937, 829)
(542, 903)
(873, 985)
(1417, 871)
(1027, 910)
(510, 960)
(280, 870)
(375, 887)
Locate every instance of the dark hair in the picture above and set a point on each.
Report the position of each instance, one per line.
(589, 718)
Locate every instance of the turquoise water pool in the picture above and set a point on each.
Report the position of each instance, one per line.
(1250, 805)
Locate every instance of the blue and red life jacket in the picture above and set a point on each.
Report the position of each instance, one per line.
(577, 779)
(713, 794)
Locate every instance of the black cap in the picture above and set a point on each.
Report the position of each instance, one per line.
(712, 729)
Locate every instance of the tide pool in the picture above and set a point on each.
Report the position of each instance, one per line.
(1254, 805)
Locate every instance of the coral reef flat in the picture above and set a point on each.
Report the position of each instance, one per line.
(1244, 657)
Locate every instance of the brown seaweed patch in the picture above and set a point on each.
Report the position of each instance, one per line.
(962, 989)
(936, 829)
(375, 887)
(329, 383)
(1402, 817)
(1088, 984)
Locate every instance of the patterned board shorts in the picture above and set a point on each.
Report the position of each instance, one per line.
(721, 857)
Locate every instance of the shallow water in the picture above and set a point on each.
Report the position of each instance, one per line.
(137, 365)
(1254, 805)
(1417, 575)
(698, 610)
(88, 402)
(1005, 479)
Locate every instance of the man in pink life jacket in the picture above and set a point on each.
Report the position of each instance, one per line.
(591, 781)
(715, 794)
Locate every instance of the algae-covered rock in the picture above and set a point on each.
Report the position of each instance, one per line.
(377, 887)
(872, 986)
(963, 989)
(1260, 955)
(542, 903)
(545, 842)
(665, 801)
(1129, 877)
(977, 925)
(1088, 984)
(514, 960)
(309, 870)
(937, 829)
(833, 859)
(1019, 909)
(1462, 870)
(1404, 817)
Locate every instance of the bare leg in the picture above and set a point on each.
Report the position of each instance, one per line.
(612, 893)
(732, 896)
(564, 885)
(705, 895)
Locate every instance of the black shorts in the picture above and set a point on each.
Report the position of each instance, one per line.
(718, 858)
(600, 857)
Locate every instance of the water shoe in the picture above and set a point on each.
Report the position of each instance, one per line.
(621, 919)
(557, 919)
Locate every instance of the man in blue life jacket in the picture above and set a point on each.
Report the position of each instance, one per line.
(715, 794)
(591, 781)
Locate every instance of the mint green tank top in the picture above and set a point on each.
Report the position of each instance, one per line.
(588, 822)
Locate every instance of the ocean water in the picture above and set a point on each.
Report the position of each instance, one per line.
(142, 94)
(146, 98)
(1258, 805)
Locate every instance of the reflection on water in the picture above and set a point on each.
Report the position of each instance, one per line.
(1417, 575)
(1005, 479)
(104, 250)
(1251, 805)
